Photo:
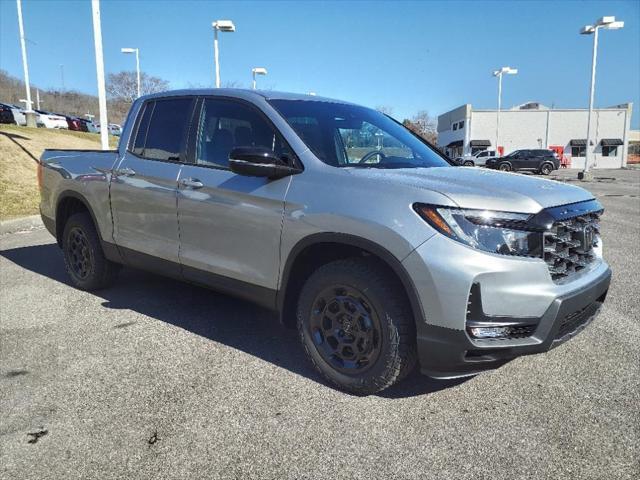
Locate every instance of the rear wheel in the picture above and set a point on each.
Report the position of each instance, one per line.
(505, 167)
(356, 326)
(546, 169)
(83, 256)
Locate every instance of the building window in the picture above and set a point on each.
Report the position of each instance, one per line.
(610, 151)
(580, 151)
(455, 126)
(461, 125)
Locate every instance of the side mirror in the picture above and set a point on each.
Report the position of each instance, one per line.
(259, 162)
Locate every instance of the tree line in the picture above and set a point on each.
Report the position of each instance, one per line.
(121, 92)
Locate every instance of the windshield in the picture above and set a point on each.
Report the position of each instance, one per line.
(351, 136)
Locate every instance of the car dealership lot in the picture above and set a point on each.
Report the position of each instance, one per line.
(158, 379)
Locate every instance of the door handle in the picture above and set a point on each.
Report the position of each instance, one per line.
(191, 183)
(125, 172)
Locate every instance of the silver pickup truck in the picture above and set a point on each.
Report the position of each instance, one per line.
(373, 244)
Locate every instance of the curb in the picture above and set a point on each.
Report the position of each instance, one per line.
(34, 222)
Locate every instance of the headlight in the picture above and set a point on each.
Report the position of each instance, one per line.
(496, 232)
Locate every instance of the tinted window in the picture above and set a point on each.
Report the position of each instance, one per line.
(609, 151)
(226, 124)
(345, 135)
(578, 151)
(166, 131)
(141, 135)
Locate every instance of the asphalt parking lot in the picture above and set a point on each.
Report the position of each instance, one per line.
(158, 379)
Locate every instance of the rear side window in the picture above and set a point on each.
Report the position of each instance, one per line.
(166, 123)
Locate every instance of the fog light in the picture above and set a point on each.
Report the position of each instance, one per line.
(490, 332)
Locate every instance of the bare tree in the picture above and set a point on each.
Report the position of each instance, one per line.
(424, 125)
(386, 109)
(123, 85)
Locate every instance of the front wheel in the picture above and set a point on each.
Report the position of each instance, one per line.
(356, 327)
(505, 167)
(468, 163)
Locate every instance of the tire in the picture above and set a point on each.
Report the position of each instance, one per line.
(546, 169)
(84, 259)
(356, 326)
(468, 163)
(504, 167)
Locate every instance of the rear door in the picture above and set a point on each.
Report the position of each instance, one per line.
(521, 159)
(144, 186)
(230, 224)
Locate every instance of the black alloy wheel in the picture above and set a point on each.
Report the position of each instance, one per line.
(356, 325)
(79, 254)
(84, 258)
(345, 329)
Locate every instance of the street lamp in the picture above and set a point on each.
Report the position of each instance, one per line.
(223, 26)
(137, 52)
(499, 73)
(257, 71)
(608, 23)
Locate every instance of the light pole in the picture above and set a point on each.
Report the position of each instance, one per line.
(223, 26)
(608, 23)
(29, 114)
(257, 71)
(137, 52)
(102, 93)
(499, 73)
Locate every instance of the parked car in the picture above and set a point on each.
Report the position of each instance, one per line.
(88, 125)
(381, 256)
(478, 159)
(6, 114)
(114, 129)
(74, 123)
(51, 120)
(18, 115)
(534, 160)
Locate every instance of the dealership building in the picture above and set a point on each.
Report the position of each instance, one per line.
(464, 131)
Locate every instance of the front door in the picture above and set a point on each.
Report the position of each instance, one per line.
(144, 187)
(230, 224)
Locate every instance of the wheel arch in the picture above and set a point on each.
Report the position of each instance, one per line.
(318, 249)
(70, 202)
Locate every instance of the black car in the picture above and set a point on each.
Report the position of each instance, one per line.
(6, 114)
(539, 161)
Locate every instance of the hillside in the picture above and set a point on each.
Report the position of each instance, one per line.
(20, 147)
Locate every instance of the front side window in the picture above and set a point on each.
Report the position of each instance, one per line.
(162, 129)
(227, 124)
(351, 136)
(609, 151)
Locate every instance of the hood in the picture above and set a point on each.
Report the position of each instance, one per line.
(483, 189)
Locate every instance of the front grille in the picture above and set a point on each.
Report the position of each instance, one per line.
(568, 245)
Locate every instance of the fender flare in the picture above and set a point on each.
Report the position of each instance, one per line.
(353, 241)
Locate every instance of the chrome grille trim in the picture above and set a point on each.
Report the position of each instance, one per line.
(568, 245)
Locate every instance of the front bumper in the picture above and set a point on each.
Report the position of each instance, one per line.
(449, 353)
(513, 289)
